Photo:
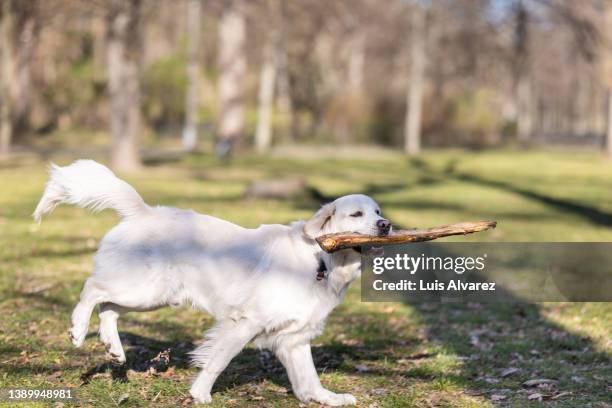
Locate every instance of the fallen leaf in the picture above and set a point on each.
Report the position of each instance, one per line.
(509, 371)
(415, 356)
(474, 341)
(535, 396)
(276, 388)
(56, 374)
(352, 342)
(418, 356)
(561, 395)
(156, 396)
(123, 398)
(538, 381)
(388, 309)
(168, 373)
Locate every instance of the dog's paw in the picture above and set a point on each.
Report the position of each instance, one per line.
(77, 337)
(201, 398)
(335, 400)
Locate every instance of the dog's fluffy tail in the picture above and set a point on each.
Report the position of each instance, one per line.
(89, 184)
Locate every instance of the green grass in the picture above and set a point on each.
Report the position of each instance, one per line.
(386, 354)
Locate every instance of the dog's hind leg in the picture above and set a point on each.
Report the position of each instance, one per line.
(90, 297)
(109, 313)
(221, 343)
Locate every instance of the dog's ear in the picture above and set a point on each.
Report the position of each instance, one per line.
(314, 226)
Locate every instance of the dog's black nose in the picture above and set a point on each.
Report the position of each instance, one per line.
(383, 226)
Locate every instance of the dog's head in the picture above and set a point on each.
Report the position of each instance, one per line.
(351, 213)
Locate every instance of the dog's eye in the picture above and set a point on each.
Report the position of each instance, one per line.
(377, 212)
(357, 214)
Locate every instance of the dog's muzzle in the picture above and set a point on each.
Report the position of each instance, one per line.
(384, 227)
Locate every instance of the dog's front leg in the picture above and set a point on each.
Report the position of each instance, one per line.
(221, 343)
(297, 359)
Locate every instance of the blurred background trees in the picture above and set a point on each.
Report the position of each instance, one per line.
(227, 74)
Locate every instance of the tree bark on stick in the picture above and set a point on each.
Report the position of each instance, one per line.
(124, 54)
(344, 240)
(416, 82)
(190, 132)
(232, 67)
(6, 76)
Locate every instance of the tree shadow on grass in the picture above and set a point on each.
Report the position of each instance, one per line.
(592, 214)
(589, 213)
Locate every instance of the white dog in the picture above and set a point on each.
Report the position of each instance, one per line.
(272, 284)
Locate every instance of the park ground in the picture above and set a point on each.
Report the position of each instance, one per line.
(386, 354)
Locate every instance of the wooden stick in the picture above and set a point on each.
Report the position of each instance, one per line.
(335, 242)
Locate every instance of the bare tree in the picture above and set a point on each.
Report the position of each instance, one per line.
(190, 132)
(606, 58)
(27, 27)
(283, 87)
(6, 76)
(522, 79)
(267, 82)
(232, 67)
(356, 61)
(123, 53)
(416, 82)
(267, 79)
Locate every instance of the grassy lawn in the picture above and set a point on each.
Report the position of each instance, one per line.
(386, 354)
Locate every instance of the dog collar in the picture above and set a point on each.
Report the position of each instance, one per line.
(321, 270)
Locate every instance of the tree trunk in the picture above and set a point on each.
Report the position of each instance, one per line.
(6, 76)
(523, 92)
(356, 62)
(609, 124)
(123, 55)
(232, 68)
(416, 83)
(283, 87)
(190, 132)
(524, 108)
(606, 59)
(263, 133)
(27, 33)
(267, 82)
